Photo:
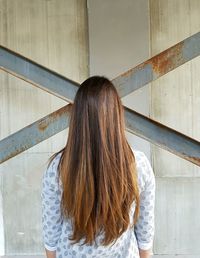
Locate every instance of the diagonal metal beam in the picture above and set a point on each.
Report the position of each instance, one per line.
(163, 136)
(67, 91)
(125, 83)
(136, 123)
(158, 65)
(36, 74)
(34, 133)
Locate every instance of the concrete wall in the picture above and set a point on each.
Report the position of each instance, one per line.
(176, 103)
(119, 40)
(53, 33)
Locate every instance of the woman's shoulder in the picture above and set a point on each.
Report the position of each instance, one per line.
(140, 157)
(51, 172)
(55, 160)
(144, 169)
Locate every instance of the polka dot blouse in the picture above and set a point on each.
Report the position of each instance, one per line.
(56, 231)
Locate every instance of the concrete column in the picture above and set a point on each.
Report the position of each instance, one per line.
(52, 33)
(119, 40)
(176, 103)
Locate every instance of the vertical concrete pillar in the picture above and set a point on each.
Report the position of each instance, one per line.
(175, 102)
(119, 40)
(1, 226)
(52, 33)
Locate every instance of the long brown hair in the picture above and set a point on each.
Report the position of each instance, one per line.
(97, 166)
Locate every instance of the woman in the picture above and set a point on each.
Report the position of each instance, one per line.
(98, 193)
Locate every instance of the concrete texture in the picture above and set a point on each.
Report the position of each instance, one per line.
(175, 97)
(52, 33)
(177, 216)
(119, 40)
(176, 103)
(1, 225)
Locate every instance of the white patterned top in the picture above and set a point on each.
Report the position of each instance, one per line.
(56, 230)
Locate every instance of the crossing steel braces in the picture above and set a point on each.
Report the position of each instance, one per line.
(62, 87)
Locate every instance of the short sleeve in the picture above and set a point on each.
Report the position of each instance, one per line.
(144, 228)
(51, 213)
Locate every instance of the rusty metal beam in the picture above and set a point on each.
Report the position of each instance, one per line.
(34, 133)
(163, 136)
(136, 123)
(158, 65)
(37, 74)
(125, 83)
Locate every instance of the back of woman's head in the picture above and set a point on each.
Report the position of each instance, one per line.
(97, 166)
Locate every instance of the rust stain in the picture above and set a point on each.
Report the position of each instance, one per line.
(195, 160)
(44, 123)
(61, 111)
(161, 63)
(42, 126)
(167, 60)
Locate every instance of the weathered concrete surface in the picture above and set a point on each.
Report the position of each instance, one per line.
(53, 33)
(119, 42)
(175, 101)
(1, 223)
(177, 216)
(175, 97)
